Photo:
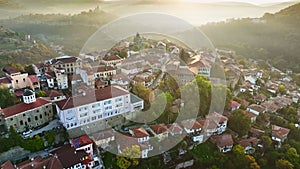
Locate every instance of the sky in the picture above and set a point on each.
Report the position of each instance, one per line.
(256, 2)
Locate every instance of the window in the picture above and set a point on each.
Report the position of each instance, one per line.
(41, 116)
(107, 102)
(29, 119)
(17, 81)
(97, 111)
(82, 108)
(94, 118)
(21, 122)
(83, 114)
(100, 116)
(96, 105)
(36, 117)
(23, 79)
(11, 119)
(24, 115)
(69, 112)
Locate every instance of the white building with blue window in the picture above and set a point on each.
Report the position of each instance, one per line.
(99, 109)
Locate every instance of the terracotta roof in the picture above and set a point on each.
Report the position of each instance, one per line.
(234, 104)
(54, 93)
(7, 165)
(174, 128)
(33, 78)
(125, 141)
(260, 97)
(120, 77)
(69, 157)
(222, 140)
(49, 162)
(5, 80)
(216, 117)
(279, 132)
(10, 70)
(270, 106)
(112, 57)
(139, 132)
(50, 74)
(158, 129)
(191, 124)
(257, 132)
(252, 141)
(250, 114)
(103, 68)
(256, 107)
(22, 107)
(81, 141)
(103, 134)
(64, 60)
(91, 96)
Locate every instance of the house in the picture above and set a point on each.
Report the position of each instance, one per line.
(224, 142)
(175, 129)
(55, 95)
(217, 121)
(259, 98)
(102, 107)
(18, 80)
(68, 63)
(256, 132)
(193, 128)
(256, 109)
(82, 143)
(50, 162)
(30, 113)
(50, 78)
(111, 60)
(249, 144)
(234, 106)
(160, 131)
(61, 78)
(200, 66)
(127, 142)
(140, 133)
(104, 72)
(279, 134)
(270, 106)
(34, 82)
(103, 138)
(252, 116)
(70, 158)
(251, 79)
(120, 80)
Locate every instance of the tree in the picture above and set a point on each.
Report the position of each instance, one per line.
(239, 122)
(267, 142)
(6, 98)
(144, 93)
(29, 69)
(50, 136)
(41, 93)
(281, 89)
(292, 156)
(130, 157)
(284, 164)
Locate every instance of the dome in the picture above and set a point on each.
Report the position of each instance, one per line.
(28, 92)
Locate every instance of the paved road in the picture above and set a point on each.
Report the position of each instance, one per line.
(53, 124)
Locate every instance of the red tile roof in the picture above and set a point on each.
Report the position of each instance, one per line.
(81, 141)
(158, 129)
(33, 78)
(64, 60)
(110, 58)
(250, 114)
(234, 104)
(10, 70)
(5, 80)
(174, 128)
(7, 165)
(22, 107)
(222, 140)
(103, 134)
(256, 107)
(104, 68)
(252, 141)
(191, 124)
(256, 132)
(91, 96)
(54, 93)
(49, 162)
(139, 132)
(68, 156)
(279, 132)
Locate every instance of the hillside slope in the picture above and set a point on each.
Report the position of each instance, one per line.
(273, 37)
(16, 47)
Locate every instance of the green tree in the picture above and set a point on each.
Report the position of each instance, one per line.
(239, 122)
(6, 98)
(267, 142)
(29, 69)
(41, 93)
(281, 89)
(50, 136)
(144, 93)
(284, 164)
(292, 156)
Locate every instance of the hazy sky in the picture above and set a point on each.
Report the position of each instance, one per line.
(258, 2)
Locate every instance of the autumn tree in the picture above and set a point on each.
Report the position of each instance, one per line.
(144, 93)
(239, 122)
(284, 164)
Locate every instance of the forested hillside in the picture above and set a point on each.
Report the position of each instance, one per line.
(71, 31)
(273, 37)
(18, 47)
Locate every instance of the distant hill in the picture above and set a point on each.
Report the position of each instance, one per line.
(71, 31)
(8, 4)
(273, 37)
(16, 47)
